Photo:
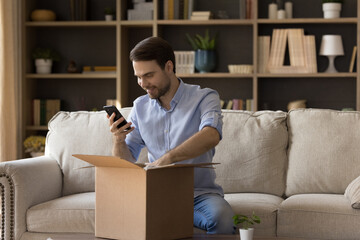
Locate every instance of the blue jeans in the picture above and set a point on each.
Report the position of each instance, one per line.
(213, 214)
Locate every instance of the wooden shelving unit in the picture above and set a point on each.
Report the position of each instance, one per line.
(98, 42)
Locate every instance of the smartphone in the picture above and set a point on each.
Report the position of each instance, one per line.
(112, 109)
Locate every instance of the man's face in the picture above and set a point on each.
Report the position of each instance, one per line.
(154, 80)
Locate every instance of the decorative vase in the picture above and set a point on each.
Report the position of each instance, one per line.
(36, 154)
(246, 234)
(331, 10)
(108, 17)
(205, 60)
(43, 66)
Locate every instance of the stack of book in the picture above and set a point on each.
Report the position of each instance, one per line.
(78, 10)
(302, 52)
(246, 9)
(44, 110)
(201, 15)
(184, 62)
(142, 10)
(238, 104)
(99, 69)
(176, 9)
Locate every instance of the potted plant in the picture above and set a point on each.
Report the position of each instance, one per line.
(35, 145)
(109, 13)
(44, 58)
(205, 56)
(331, 8)
(246, 222)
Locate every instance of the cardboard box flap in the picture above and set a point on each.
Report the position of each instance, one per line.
(107, 161)
(201, 165)
(111, 161)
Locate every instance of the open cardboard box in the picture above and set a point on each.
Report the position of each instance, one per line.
(135, 203)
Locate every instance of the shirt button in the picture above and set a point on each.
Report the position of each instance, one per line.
(166, 131)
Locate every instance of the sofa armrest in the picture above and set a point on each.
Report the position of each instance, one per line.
(24, 183)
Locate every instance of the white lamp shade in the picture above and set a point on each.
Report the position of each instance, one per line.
(331, 45)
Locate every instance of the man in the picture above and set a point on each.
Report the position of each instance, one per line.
(176, 122)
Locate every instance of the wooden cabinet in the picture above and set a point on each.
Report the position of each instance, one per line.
(96, 42)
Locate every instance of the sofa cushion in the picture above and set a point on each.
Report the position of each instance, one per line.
(352, 193)
(302, 216)
(323, 151)
(72, 213)
(252, 152)
(78, 133)
(264, 205)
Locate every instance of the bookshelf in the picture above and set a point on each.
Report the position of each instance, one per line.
(108, 43)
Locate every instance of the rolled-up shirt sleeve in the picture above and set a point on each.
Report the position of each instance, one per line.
(211, 112)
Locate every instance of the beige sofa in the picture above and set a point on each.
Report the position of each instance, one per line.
(292, 169)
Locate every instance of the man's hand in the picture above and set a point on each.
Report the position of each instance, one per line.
(119, 133)
(164, 160)
(196, 145)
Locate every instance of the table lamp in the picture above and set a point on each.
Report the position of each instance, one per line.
(331, 46)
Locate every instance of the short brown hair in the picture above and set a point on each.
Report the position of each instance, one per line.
(153, 48)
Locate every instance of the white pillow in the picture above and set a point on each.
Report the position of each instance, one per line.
(352, 193)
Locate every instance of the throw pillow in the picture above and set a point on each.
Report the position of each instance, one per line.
(352, 193)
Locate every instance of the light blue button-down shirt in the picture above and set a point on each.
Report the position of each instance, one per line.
(161, 130)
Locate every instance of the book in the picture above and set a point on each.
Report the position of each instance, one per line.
(310, 53)
(201, 15)
(222, 103)
(44, 110)
(278, 47)
(171, 9)
(263, 53)
(242, 9)
(229, 104)
(99, 69)
(235, 104)
(296, 46)
(166, 10)
(352, 61)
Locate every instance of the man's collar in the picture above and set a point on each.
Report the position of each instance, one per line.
(176, 98)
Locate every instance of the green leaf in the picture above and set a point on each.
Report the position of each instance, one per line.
(202, 42)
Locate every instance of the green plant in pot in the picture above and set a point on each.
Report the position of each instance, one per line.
(109, 13)
(205, 55)
(246, 223)
(331, 8)
(44, 58)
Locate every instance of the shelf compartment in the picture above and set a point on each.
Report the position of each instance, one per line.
(36, 128)
(71, 75)
(207, 22)
(72, 24)
(215, 75)
(139, 23)
(308, 75)
(308, 21)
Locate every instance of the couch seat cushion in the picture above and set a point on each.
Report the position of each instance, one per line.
(264, 205)
(252, 152)
(303, 216)
(72, 213)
